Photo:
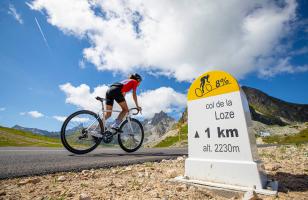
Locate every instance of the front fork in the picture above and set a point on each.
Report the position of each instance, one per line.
(130, 124)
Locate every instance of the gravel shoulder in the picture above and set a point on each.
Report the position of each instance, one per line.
(287, 164)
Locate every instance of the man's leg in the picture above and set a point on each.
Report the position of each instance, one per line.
(122, 114)
(108, 114)
(119, 98)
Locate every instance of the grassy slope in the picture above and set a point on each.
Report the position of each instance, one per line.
(13, 137)
(171, 140)
(301, 137)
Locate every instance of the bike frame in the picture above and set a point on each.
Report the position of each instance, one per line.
(101, 115)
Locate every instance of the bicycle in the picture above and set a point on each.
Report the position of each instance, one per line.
(199, 92)
(84, 130)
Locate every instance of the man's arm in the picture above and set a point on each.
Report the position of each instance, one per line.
(136, 100)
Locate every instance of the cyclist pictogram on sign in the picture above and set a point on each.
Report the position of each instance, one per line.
(212, 84)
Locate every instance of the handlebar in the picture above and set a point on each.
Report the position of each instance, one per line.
(134, 113)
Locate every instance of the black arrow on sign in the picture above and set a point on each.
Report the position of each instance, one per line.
(197, 135)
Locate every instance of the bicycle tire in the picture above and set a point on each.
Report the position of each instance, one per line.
(207, 86)
(64, 141)
(198, 92)
(122, 128)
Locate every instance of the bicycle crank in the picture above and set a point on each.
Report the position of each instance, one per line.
(107, 137)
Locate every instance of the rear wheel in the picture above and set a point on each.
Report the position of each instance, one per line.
(80, 132)
(198, 92)
(132, 135)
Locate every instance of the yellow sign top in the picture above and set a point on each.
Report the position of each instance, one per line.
(211, 84)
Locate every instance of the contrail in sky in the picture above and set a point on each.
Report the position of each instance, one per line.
(42, 33)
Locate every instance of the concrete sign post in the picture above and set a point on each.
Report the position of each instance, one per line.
(222, 151)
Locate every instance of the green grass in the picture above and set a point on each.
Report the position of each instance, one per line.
(299, 138)
(171, 140)
(13, 137)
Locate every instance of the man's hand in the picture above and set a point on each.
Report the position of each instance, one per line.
(139, 108)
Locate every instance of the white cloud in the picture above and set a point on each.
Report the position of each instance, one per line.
(34, 114)
(82, 97)
(82, 64)
(162, 99)
(80, 20)
(2, 109)
(152, 101)
(283, 66)
(176, 38)
(75, 119)
(59, 118)
(301, 51)
(12, 11)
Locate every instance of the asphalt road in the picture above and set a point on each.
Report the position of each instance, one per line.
(28, 161)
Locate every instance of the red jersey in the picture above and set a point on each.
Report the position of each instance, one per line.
(128, 85)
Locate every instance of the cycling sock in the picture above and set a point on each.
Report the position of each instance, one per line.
(116, 123)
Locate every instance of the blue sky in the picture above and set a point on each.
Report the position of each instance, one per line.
(32, 70)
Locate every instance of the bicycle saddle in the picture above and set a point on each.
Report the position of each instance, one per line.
(100, 99)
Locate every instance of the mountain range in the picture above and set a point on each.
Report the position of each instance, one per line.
(273, 111)
(37, 131)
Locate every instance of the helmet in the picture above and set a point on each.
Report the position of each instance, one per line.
(137, 77)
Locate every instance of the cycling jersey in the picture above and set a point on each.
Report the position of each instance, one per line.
(128, 85)
(116, 90)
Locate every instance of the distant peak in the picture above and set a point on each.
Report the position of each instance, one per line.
(158, 117)
(161, 113)
(17, 126)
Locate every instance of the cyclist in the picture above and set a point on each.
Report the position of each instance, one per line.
(117, 92)
(203, 79)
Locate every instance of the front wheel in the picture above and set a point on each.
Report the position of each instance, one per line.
(81, 132)
(132, 135)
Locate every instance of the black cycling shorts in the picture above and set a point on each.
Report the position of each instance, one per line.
(114, 93)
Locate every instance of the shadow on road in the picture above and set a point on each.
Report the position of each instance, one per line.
(291, 182)
(129, 154)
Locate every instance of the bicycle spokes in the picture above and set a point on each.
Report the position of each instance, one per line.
(131, 136)
(82, 132)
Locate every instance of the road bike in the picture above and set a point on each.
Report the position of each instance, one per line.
(84, 130)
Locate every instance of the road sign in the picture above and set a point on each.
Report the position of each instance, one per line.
(222, 151)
